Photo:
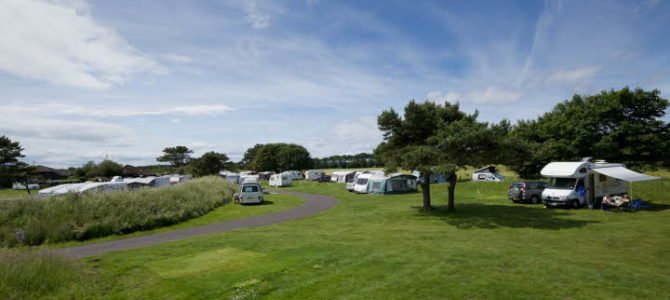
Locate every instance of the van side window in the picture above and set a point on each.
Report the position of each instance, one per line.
(481, 176)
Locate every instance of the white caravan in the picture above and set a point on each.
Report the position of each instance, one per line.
(342, 176)
(295, 175)
(578, 183)
(361, 185)
(352, 181)
(231, 176)
(487, 174)
(313, 174)
(279, 180)
(21, 186)
(175, 179)
(250, 192)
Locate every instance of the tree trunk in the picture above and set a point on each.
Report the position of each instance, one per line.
(451, 188)
(425, 188)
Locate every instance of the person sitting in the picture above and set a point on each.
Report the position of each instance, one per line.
(607, 202)
(625, 200)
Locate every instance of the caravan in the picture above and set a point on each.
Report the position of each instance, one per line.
(487, 174)
(578, 183)
(279, 180)
(313, 175)
(361, 184)
(342, 176)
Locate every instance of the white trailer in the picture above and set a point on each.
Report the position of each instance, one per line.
(279, 180)
(342, 176)
(313, 174)
(578, 183)
(295, 175)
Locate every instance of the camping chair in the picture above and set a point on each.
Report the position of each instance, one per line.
(633, 205)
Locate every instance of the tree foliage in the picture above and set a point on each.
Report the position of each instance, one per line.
(277, 157)
(360, 160)
(619, 126)
(177, 156)
(106, 168)
(209, 163)
(11, 168)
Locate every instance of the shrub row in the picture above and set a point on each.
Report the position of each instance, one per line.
(35, 221)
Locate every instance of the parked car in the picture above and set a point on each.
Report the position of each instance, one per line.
(526, 191)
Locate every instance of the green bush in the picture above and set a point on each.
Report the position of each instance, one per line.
(30, 275)
(35, 221)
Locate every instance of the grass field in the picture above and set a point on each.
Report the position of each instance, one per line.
(13, 194)
(374, 247)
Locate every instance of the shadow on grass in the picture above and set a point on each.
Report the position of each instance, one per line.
(473, 215)
(265, 202)
(656, 206)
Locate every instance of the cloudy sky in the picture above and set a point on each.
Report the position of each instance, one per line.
(84, 80)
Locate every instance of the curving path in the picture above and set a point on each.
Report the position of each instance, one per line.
(313, 204)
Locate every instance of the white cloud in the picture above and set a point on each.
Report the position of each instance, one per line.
(72, 131)
(113, 111)
(257, 18)
(574, 74)
(491, 95)
(59, 42)
(177, 58)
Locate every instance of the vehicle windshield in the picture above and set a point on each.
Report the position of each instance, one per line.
(563, 183)
(250, 189)
(362, 181)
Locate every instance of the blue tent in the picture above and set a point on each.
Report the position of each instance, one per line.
(394, 184)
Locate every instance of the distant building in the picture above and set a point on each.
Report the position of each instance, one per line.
(46, 173)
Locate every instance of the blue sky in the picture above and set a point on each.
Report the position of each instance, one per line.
(84, 80)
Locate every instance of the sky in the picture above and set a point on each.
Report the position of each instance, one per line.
(88, 80)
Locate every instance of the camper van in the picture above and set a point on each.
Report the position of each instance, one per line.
(250, 192)
(313, 175)
(487, 174)
(578, 183)
(279, 180)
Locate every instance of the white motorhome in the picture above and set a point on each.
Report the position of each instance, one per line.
(250, 192)
(578, 183)
(313, 174)
(279, 180)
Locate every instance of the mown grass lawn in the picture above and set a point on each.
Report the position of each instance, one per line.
(12, 193)
(374, 247)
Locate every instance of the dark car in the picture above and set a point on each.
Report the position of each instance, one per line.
(526, 191)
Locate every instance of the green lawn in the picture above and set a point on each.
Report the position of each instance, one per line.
(11, 193)
(384, 247)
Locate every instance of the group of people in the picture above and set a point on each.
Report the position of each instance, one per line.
(616, 201)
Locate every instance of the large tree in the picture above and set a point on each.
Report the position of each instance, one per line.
(177, 156)
(617, 125)
(11, 168)
(277, 157)
(209, 163)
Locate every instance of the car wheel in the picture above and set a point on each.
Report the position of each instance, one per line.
(534, 200)
(575, 204)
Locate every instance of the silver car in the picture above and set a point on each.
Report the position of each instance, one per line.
(526, 191)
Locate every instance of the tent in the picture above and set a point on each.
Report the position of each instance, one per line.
(393, 184)
(624, 174)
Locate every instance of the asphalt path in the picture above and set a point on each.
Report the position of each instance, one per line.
(313, 205)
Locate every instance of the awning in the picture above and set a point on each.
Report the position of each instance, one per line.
(624, 174)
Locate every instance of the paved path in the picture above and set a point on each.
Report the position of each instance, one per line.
(313, 204)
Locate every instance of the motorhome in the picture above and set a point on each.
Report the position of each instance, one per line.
(250, 192)
(279, 180)
(576, 184)
(487, 174)
(313, 175)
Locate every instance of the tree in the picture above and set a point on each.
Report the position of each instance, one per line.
(277, 157)
(177, 156)
(209, 163)
(109, 168)
(11, 168)
(622, 126)
(408, 141)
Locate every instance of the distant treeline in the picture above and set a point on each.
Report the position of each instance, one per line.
(361, 160)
